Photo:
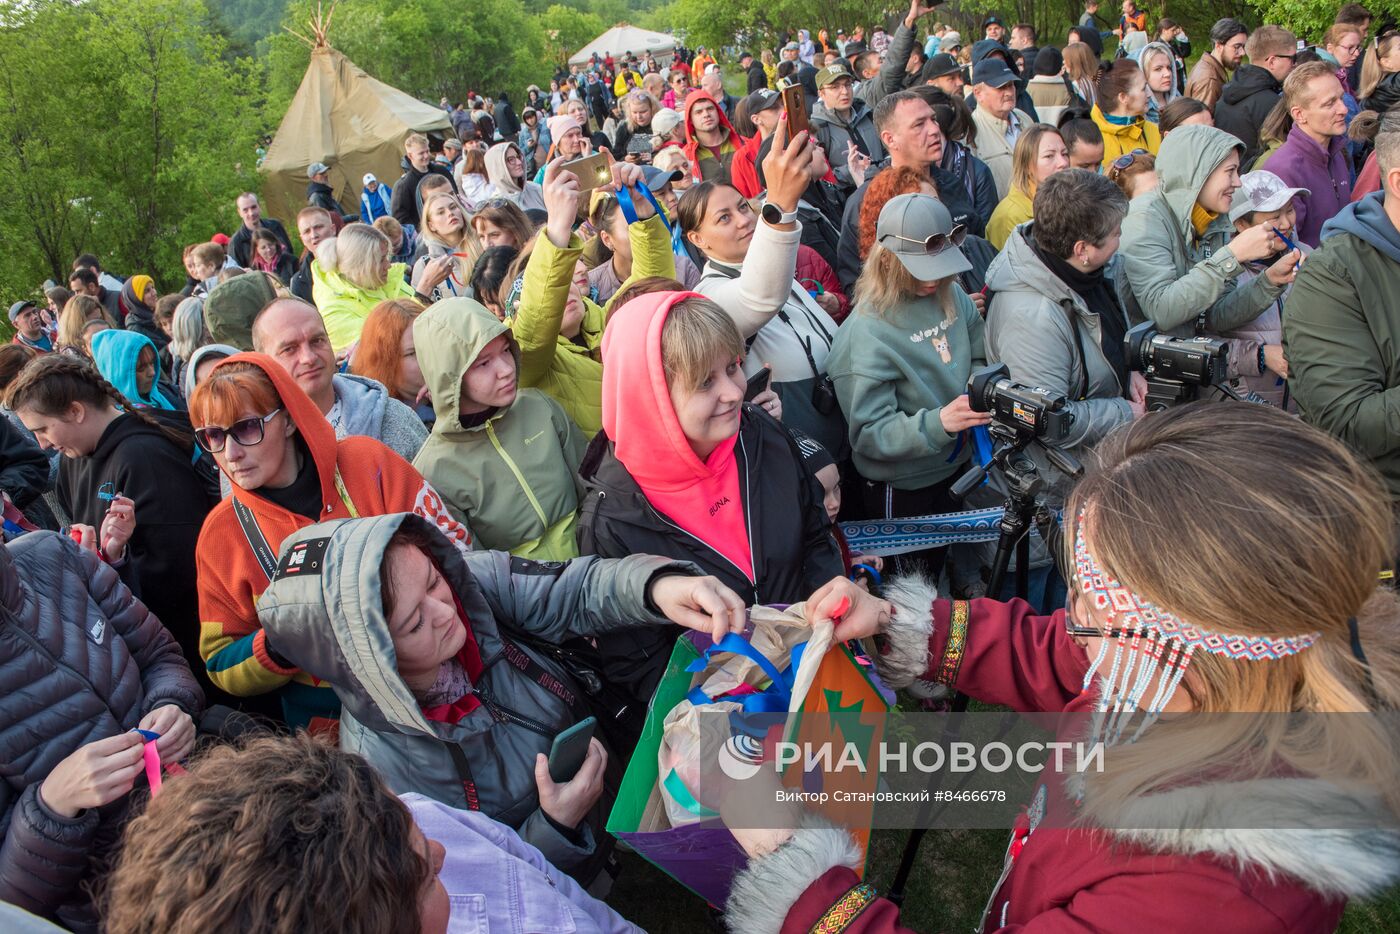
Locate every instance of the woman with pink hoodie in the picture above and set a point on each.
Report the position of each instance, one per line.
(676, 472)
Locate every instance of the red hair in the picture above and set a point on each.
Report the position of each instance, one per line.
(230, 392)
(888, 184)
(379, 354)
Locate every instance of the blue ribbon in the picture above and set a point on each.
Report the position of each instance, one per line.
(629, 210)
(776, 697)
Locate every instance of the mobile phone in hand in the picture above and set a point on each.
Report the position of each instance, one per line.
(758, 383)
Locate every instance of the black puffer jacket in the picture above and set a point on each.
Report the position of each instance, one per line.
(1243, 105)
(81, 660)
(790, 538)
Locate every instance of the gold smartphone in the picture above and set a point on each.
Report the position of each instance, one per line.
(593, 171)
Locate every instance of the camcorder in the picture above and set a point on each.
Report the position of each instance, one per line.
(1176, 368)
(1027, 412)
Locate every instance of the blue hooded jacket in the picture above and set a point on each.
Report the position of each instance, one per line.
(116, 353)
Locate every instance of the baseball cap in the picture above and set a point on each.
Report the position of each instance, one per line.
(950, 41)
(665, 121)
(316, 168)
(992, 19)
(992, 71)
(368, 179)
(658, 179)
(940, 65)
(760, 100)
(836, 71)
(792, 47)
(18, 307)
(919, 230)
(1261, 191)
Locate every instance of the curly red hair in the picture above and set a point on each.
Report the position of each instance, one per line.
(888, 184)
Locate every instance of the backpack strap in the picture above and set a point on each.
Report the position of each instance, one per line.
(262, 551)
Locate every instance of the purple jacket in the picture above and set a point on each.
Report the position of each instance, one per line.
(498, 882)
(1302, 163)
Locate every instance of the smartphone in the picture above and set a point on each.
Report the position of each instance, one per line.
(757, 383)
(795, 105)
(570, 749)
(593, 171)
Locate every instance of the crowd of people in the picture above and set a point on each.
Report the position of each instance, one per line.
(345, 537)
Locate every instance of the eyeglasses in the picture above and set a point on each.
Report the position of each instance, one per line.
(247, 432)
(937, 243)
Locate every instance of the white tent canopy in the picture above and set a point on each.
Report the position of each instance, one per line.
(623, 38)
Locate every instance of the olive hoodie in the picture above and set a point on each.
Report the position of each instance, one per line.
(513, 471)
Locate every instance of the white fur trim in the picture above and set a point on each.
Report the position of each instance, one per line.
(766, 889)
(909, 630)
(1335, 841)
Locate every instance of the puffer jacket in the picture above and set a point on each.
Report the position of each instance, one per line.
(1246, 340)
(1031, 325)
(566, 370)
(81, 659)
(835, 134)
(1118, 140)
(502, 600)
(345, 306)
(513, 473)
(1170, 275)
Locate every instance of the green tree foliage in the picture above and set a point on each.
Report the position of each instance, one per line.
(567, 30)
(123, 131)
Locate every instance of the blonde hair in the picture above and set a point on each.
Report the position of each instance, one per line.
(1297, 533)
(696, 331)
(885, 284)
(1025, 156)
(355, 254)
(638, 94)
(414, 140)
(209, 253)
(1371, 70)
(469, 243)
(73, 320)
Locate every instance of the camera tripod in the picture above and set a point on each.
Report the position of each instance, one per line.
(1023, 486)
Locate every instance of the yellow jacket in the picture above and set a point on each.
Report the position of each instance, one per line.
(567, 370)
(1013, 210)
(1117, 140)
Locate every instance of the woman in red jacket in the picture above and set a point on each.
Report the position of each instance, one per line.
(1261, 598)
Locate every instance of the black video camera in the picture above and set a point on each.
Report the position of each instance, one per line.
(1175, 367)
(1025, 411)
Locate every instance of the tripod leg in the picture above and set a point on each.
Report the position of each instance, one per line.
(906, 866)
(1023, 565)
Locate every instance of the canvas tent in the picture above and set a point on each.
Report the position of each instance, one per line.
(623, 38)
(348, 120)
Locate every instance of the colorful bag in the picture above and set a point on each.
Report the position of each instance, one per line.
(696, 849)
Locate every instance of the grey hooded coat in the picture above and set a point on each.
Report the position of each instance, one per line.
(81, 659)
(350, 647)
(1168, 274)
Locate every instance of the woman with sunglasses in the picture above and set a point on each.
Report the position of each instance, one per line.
(113, 449)
(1134, 172)
(901, 363)
(1263, 598)
(1056, 322)
(287, 471)
(505, 170)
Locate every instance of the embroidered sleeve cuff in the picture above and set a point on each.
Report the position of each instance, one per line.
(767, 889)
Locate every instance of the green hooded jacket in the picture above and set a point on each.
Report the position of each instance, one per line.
(515, 474)
(337, 565)
(1168, 274)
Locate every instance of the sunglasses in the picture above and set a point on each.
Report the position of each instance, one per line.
(1125, 160)
(247, 432)
(936, 243)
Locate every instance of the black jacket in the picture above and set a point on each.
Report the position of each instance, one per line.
(241, 243)
(141, 321)
(506, 123)
(111, 303)
(320, 195)
(81, 659)
(404, 204)
(1386, 95)
(758, 78)
(301, 279)
(24, 470)
(950, 192)
(1244, 103)
(793, 549)
(137, 460)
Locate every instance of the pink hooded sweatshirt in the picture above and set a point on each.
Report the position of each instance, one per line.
(703, 498)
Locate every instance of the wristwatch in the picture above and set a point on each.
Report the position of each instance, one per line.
(774, 214)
